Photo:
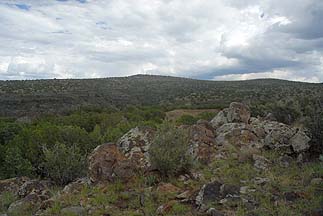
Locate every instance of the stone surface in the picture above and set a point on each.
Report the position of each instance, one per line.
(77, 185)
(107, 163)
(216, 192)
(135, 144)
(260, 162)
(202, 141)
(300, 142)
(13, 184)
(74, 210)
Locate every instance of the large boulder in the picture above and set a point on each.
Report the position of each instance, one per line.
(237, 134)
(215, 192)
(237, 112)
(135, 144)
(107, 163)
(202, 141)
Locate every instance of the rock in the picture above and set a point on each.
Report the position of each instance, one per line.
(291, 196)
(186, 195)
(237, 134)
(12, 185)
(74, 210)
(285, 161)
(260, 162)
(135, 144)
(77, 185)
(317, 181)
(30, 203)
(246, 190)
(237, 112)
(261, 181)
(215, 192)
(107, 163)
(300, 142)
(164, 209)
(167, 188)
(202, 141)
(214, 212)
(35, 186)
(278, 136)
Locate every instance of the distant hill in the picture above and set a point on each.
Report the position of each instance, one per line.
(33, 97)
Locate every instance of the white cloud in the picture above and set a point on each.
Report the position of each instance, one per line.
(201, 39)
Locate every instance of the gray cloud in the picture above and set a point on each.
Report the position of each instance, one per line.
(201, 39)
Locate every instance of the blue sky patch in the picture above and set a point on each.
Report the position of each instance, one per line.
(23, 7)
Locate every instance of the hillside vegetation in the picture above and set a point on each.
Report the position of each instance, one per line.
(154, 145)
(32, 97)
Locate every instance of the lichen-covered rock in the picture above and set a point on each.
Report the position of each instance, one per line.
(260, 162)
(202, 141)
(237, 112)
(238, 134)
(77, 185)
(13, 184)
(135, 144)
(300, 142)
(107, 163)
(214, 192)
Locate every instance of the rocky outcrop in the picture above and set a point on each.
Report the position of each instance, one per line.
(135, 144)
(107, 163)
(237, 112)
(235, 127)
(31, 194)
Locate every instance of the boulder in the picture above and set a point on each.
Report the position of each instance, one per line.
(107, 163)
(238, 134)
(202, 141)
(135, 144)
(216, 192)
(77, 185)
(237, 112)
(300, 142)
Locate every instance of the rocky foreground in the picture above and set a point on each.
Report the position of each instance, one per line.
(244, 166)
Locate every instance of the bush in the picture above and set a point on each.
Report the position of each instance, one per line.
(14, 164)
(169, 150)
(186, 120)
(63, 164)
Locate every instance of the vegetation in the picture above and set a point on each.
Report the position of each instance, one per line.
(33, 149)
(168, 152)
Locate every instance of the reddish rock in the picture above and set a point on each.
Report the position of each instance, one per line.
(107, 163)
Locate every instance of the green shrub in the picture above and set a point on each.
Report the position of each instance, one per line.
(14, 164)
(169, 150)
(63, 164)
(186, 120)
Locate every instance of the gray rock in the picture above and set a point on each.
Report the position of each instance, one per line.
(260, 162)
(300, 142)
(135, 145)
(237, 112)
(74, 210)
(214, 212)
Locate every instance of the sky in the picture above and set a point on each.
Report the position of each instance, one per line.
(202, 39)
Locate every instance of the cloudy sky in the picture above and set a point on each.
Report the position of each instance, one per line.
(204, 39)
